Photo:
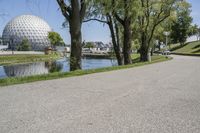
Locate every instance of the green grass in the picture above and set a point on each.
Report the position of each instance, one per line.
(20, 80)
(135, 56)
(25, 58)
(192, 48)
(173, 46)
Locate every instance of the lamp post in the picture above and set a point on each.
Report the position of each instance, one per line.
(166, 33)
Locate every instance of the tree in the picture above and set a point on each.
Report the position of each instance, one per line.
(74, 12)
(125, 12)
(163, 27)
(152, 14)
(180, 28)
(103, 12)
(114, 31)
(120, 15)
(24, 46)
(198, 34)
(55, 39)
(193, 31)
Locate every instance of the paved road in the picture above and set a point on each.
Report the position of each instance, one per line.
(157, 98)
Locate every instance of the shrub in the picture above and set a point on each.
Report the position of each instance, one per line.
(24, 46)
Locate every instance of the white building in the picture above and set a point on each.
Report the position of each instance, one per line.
(97, 47)
(66, 48)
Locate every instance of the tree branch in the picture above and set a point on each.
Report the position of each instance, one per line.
(157, 23)
(119, 19)
(83, 10)
(95, 19)
(65, 9)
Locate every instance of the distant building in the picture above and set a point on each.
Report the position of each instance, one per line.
(96, 47)
(66, 48)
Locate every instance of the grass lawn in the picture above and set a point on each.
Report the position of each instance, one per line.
(192, 48)
(173, 46)
(16, 59)
(20, 80)
(135, 56)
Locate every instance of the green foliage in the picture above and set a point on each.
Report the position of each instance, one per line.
(181, 27)
(165, 26)
(135, 44)
(24, 46)
(55, 39)
(150, 23)
(89, 45)
(193, 30)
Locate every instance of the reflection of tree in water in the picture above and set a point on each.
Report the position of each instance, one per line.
(113, 62)
(54, 66)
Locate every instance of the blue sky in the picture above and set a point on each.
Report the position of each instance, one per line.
(48, 10)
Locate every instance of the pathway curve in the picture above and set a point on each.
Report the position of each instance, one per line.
(157, 98)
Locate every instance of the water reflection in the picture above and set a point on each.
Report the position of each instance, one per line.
(61, 65)
(54, 66)
(26, 69)
(32, 69)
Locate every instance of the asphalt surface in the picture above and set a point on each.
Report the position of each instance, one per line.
(157, 98)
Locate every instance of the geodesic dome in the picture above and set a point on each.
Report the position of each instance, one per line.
(29, 27)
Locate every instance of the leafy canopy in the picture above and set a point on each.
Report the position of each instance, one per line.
(55, 39)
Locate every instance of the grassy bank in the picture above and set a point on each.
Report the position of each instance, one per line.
(191, 48)
(20, 80)
(25, 58)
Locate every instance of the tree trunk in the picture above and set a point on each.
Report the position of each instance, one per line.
(152, 50)
(114, 41)
(144, 49)
(74, 12)
(159, 44)
(116, 48)
(143, 54)
(127, 33)
(76, 49)
(76, 37)
(127, 41)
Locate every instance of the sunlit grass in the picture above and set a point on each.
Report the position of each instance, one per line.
(192, 48)
(24, 58)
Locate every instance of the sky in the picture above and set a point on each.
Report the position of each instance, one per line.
(49, 11)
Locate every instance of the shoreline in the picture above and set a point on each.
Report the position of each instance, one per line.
(57, 75)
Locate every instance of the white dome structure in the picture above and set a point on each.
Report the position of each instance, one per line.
(29, 27)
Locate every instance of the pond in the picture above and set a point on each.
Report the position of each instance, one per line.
(61, 65)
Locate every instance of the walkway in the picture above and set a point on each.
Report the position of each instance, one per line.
(157, 98)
